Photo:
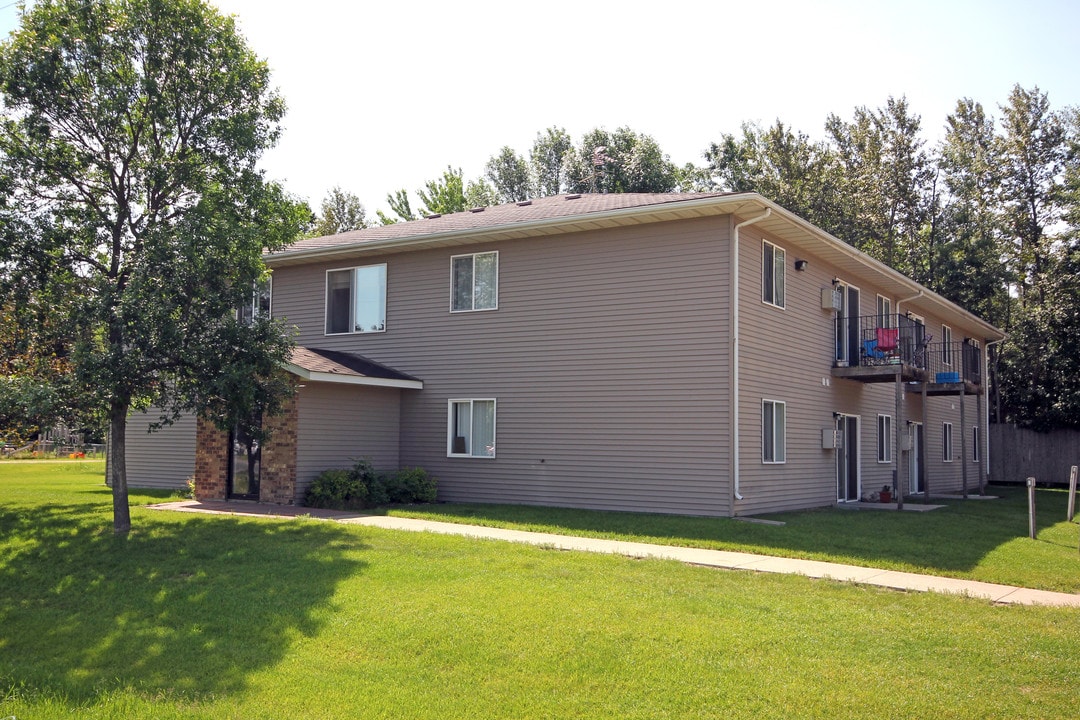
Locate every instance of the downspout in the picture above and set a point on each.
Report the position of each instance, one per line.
(986, 401)
(734, 260)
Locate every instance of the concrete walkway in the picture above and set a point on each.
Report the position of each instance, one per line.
(1004, 594)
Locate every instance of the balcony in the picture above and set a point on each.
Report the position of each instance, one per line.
(871, 350)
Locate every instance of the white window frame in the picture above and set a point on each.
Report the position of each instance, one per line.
(352, 300)
(946, 345)
(975, 444)
(946, 442)
(777, 454)
(254, 304)
(489, 452)
(884, 312)
(884, 439)
(768, 269)
(473, 307)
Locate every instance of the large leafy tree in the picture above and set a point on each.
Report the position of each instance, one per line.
(509, 173)
(341, 212)
(130, 134)
(618, 162)
(546, 160)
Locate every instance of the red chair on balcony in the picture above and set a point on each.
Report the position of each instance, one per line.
(888, 339)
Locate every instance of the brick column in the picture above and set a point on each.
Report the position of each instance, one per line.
(277, 482)
(211, 461)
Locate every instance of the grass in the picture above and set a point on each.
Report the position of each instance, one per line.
(983, 540)
(209, 617)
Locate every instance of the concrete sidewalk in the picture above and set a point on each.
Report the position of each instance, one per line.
(1004, 594)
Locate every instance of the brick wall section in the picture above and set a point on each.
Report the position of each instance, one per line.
(211, 461)
(277, 483)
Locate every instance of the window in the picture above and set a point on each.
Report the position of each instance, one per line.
(946, 442)
(258, 305)
(884, 438)
(946, 345)
(356, 300)
(884, 312)
(773, 430)
(474, 282)
(974, 444)
(772, 274)
(471, 428)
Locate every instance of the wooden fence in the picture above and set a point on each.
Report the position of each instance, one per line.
(1017, 454)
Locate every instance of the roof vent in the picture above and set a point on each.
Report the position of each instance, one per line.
(523, 203)
(432, 216)
(573, 197)
(477, 209)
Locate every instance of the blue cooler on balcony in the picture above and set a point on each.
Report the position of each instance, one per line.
(947, 377)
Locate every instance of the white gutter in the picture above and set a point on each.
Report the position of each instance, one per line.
(908, 299)
(734, 260)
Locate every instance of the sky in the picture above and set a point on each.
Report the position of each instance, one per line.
(387, 95)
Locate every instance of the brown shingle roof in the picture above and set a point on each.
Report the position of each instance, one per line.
(508, 214)
(343, 364)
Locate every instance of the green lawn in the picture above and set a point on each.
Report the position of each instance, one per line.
(983, 540)
(224, 617)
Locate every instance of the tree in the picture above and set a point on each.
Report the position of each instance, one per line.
(884, 172)
(444, 195)
(1032, 152)
(783, 165)
(509, 173)
(131, 133)
(341, 212)
(399, 203)
(618, 162)
(546, 161)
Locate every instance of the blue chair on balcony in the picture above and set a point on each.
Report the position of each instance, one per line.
(871, 352)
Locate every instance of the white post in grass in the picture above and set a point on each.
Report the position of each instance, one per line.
(1031, 507)
(1072, 493)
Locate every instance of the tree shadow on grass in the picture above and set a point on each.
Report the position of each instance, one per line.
(186, 605)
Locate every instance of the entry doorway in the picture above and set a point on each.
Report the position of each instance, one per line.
(916, 471)
(847, 458)
(245, 465)
(847, 326)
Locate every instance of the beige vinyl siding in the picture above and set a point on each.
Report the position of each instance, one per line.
(337, 424)
(607, 356)
(162, 459)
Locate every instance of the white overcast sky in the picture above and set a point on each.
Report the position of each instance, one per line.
(386, 95)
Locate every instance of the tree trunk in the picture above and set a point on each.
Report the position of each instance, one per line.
(118, 412)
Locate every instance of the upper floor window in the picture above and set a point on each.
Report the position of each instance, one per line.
(474, 282)
(258, 305)
(946, 345)
(772, 274)
(356, 300)
(884, 312)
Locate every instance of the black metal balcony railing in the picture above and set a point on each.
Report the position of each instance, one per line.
(954, 362)
(870, 341)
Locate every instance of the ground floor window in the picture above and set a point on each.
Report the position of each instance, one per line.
(884, 438)
(773, 431)
(471, 428)
(946, 442)
(975, 444)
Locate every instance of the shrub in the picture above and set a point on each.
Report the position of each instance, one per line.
(336, 490)
(415, 485)
(361, 487)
